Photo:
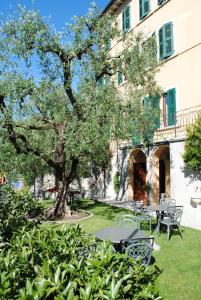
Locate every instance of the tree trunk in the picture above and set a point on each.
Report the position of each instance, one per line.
(63, 181)
(60, 206)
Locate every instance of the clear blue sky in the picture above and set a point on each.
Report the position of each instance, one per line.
(60, 11)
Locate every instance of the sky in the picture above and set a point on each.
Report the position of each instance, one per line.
(61, 11)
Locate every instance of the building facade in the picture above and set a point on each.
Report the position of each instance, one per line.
(146, 173)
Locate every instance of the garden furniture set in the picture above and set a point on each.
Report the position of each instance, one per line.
(127, 236)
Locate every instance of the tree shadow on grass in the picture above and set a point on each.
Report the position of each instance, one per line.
(106, 211)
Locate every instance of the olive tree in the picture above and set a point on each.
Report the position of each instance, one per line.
(59, 103)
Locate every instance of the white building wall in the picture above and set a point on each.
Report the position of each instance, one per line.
(184, 186)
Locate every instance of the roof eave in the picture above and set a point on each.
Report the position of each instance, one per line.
(112, 6)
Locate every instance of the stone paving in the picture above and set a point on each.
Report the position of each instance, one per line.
(122, 204)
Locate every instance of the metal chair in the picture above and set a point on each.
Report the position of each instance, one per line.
(172, 219)
(141, 213)
(129, 221)
(138, 206)
(169, 201)
(144, 217)
(139, 248)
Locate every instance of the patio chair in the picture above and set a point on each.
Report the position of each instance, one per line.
(138, 206)
(129, 221)
(139, 248)
(141, 213)
(169, 201)
(172, 219)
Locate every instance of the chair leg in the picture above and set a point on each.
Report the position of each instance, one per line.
(180, 231)
(168, 231)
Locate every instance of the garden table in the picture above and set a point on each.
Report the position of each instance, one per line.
(117, 233)
(159, 209)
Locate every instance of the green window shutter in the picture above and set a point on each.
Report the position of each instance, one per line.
(123, 20)
(152, 116)
(126, 22)
(154, 46)
(141, 9)
(127, 15)
(100, 81)
(160, 2)
(156, 106)
(120, 75)
(135, 137)
(166, 40)
(161, 43)
(171, 106)
(107, 44)
(144, 8)
(168, 31)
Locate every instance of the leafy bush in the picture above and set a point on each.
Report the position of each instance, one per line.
(69, 264)
(15, 208)
(192, 151)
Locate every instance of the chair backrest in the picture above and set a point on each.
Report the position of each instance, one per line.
(175, 213)
(139, 248)
(138, 206)
(129, 221)
(169, 201)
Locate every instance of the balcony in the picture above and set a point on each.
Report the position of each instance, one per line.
(183, 119)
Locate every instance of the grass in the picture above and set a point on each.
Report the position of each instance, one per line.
(178, 259)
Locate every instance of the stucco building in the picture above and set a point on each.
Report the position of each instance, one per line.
(160, 166)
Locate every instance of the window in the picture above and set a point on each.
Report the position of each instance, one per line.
(170, 98)
(150, 46)
(100, 81)
(120, 76)
(152, 109)
(161, 2)
(126, 19)
(135, 137)
(151, 117)
(144, 8)
(166, 40)
(107, 44)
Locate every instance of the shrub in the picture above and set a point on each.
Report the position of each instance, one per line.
(192, 151)
(69, 264)
(15, 209)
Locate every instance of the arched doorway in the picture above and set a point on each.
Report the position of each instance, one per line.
(137, 176)
(161, 172)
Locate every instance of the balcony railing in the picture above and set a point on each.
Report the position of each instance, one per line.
(183, 118)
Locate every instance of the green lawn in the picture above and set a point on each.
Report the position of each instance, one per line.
(178, 259)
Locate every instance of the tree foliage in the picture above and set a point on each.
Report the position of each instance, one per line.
(16, 209)
(53, 113)
(192, 152)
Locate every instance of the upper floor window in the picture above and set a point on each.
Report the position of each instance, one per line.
(170, 98)
(150, 46)
(107, 43)
(144, 8)
(166, 46)
(120, 76)
(152, 108)
(103, 80)
(161, 2)
(126, 18)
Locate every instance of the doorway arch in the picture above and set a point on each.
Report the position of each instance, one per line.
(137, 176)
(161, 172)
